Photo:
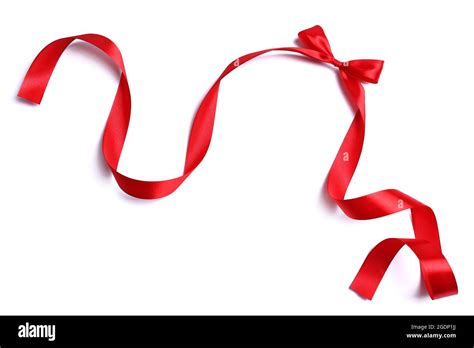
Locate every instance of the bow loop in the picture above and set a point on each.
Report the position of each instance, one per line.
(315, 39)
(367, 70)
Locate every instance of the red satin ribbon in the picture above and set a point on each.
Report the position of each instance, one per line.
(437, 275)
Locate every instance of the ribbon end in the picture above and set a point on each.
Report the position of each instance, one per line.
(29, 96)
(362, 291)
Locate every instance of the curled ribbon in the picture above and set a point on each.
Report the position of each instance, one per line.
(437, 275)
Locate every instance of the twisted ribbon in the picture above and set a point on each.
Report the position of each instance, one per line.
(437, 275)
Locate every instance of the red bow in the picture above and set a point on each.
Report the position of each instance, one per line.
(366, 70)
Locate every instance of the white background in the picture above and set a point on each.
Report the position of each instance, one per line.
(251, 231)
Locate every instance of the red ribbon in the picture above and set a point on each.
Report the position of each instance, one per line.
(437, 275)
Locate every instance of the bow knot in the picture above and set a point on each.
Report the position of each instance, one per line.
(340, 64)
(365, 70)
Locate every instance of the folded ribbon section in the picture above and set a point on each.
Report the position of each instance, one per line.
(437, 275)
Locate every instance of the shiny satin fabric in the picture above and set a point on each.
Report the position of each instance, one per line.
(437, 275)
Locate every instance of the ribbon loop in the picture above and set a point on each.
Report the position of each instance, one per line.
(314, 38)
(366, 70)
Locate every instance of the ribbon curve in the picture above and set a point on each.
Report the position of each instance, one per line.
(437, 274)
